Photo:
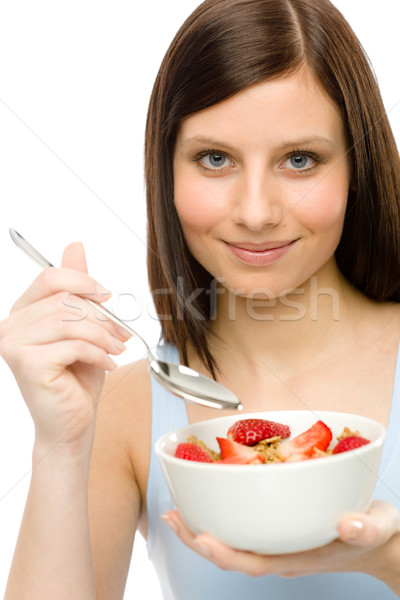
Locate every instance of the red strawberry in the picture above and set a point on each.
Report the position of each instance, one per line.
(302, 447)
(237, 454)
(251, 431)
(192, 452)
(350, 443)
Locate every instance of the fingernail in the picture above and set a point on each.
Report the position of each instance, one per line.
(122, 333)
(102, 293)
(354, 530)
(112, 363)
(168, 521)
(202, 548)
(118, 345)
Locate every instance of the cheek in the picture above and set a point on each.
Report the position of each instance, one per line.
(198, 207)
(324, 206)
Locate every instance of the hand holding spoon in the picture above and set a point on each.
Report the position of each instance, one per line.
(178, 379)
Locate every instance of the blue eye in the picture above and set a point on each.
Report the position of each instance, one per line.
(299, 161)
(302, 162)
(215, 160)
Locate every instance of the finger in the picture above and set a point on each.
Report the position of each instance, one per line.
(52, 280)
(55, 329)
(223, 556)
(370, 529)
(52, 358)
(74, 257)
(175, 522)
(230, 559)
(60, 308)
(173, 519)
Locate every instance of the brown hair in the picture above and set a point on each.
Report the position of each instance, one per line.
(222, 48)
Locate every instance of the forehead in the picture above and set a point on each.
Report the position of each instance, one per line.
(294, 106)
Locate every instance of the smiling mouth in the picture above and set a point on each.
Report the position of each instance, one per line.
(260, 255)
(260, 248)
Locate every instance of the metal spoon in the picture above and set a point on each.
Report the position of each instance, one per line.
(182, 381)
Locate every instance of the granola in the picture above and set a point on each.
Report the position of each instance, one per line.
(269, 448)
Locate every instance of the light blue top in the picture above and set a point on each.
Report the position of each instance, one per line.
(184, 575)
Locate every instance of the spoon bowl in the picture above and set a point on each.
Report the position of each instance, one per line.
(178, 379)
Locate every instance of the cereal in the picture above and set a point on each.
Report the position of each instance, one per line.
(214, 455)
(269, 449)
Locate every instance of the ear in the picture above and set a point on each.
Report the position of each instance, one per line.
(74, 257)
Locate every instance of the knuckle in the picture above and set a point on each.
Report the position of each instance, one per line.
(57, 322)
(62, 298)
(66, 317)
(84, 349)
(46, 278)
(79, 346)
(73, 305)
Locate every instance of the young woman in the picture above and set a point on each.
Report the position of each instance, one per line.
(274, 228)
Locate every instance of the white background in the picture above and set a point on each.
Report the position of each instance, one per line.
(75, 79)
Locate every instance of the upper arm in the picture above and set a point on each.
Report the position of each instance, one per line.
(114, 492)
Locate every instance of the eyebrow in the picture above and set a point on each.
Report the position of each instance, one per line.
(289, 144)
(305, 141)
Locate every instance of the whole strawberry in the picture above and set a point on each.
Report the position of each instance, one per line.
(350, 443)
(251, 431)
(190, 451)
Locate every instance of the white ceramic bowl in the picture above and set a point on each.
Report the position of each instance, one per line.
(274, 508)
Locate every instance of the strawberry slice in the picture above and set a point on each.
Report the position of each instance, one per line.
(251, 431)
(302, 447)
(237, 454)
(190, 451)
(350, 442)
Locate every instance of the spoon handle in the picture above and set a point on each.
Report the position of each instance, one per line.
(45, 264)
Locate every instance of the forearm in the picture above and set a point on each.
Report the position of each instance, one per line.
(53, 555)
(390, 568)
(384, 564)
(392, 579)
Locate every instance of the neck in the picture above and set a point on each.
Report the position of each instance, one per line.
(288, 330)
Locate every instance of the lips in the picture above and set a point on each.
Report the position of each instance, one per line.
(251, 247)
(260, 255)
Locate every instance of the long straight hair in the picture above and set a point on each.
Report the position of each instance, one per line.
(222, 48)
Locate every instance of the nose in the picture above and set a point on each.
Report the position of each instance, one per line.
(257, 201)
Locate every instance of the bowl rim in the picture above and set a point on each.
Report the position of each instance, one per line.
(358, 452)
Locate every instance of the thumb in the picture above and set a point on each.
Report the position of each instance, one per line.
(373, 528)
(74, 257)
